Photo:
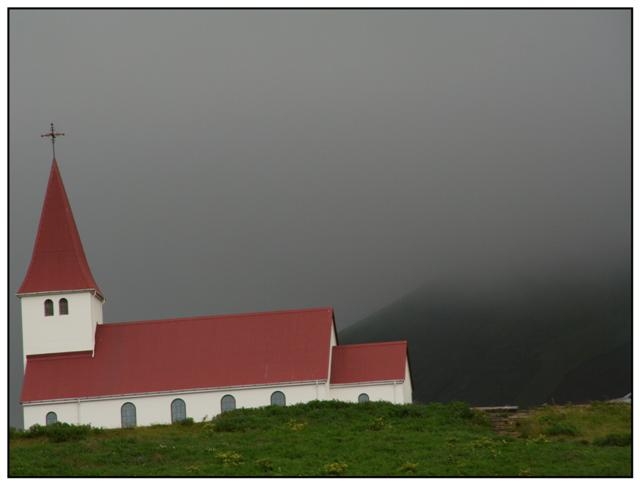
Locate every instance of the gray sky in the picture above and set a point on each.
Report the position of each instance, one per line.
(234, 161)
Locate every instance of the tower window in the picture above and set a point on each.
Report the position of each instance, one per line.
(278, 399)
(52, 418)
(63, 305)
(178, 411)
(364, 397)
(48, 308)
(228, 403)
(128, 415)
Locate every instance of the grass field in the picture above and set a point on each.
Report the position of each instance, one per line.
(340, 439)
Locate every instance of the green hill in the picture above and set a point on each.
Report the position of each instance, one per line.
(335, 438)
(562, 338)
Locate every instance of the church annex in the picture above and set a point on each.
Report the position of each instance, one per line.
(82, 370)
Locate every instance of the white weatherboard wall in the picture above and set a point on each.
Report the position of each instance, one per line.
(407, 385)
(383, 391)
(59, 333)
(156, 409)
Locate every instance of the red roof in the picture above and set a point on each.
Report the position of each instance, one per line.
(188, 353)
(383, 361)
(58, 262)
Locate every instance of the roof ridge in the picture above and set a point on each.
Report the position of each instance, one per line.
(209, 317)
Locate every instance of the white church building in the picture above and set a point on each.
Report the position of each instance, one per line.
(82, 370)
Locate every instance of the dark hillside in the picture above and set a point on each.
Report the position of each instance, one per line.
(557, 338)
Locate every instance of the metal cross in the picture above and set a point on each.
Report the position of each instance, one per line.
(53, 135)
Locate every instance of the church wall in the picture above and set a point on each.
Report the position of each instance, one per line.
(407, 386)
(66, 412)
(391, 392)
(96, 312)
(96, 318)
(57, 333)
(156, 409)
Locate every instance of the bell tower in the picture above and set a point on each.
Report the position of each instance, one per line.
(60, 301)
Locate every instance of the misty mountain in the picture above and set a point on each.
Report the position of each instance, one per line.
(562, 338)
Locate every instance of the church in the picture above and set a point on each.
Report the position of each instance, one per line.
(82, 370)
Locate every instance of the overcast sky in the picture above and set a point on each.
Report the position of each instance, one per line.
(235, 161)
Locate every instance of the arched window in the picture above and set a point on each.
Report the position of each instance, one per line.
(178, 410)
(63, 306)
(278, 399)
(363, 397)
(128, 415)
(52, 418)
(48, 308)
(228, 403)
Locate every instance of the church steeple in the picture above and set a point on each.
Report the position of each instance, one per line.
(58, 262)
(60, 301)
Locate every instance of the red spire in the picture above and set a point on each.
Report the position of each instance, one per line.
(58, 262)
